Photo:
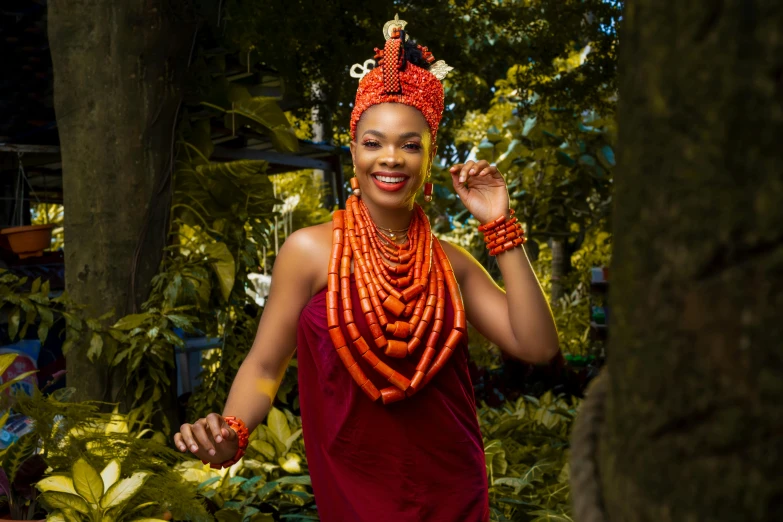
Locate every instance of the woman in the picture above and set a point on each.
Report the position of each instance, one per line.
(377, 307)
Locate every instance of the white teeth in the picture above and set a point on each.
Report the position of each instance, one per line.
(388, 179)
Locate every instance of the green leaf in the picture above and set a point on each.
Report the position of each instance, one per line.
(129, 322)
(278, 424)
(13, 323)
(6, 360)
(606, 157)
(87, 481)
(564, 159)
(267, 114)
(96, 346)
(291, 463)
(263, 447)
(123, 490)
(239, 169)
(17, 453)
(292, 438)
(59, 483)
(110, 474)
(223, 265)
(229, 515)
(4, 417)
(59, 500)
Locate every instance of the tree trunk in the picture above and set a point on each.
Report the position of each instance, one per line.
(694, 412)
(559, 270)
(118, 74)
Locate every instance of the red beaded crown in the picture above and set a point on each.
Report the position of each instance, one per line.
(396, 80)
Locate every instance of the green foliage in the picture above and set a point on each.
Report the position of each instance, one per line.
(526, 449)
(269, 483)
(76, 439)
(87, 495)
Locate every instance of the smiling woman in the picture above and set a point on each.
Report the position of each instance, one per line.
(391, 158)
(378, 308)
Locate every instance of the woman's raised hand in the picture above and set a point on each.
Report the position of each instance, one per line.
(210, 439)
(481, 188)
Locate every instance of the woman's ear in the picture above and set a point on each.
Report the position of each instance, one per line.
(353, 152)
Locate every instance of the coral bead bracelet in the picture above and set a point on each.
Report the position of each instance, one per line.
(503, 234)
(242, 436)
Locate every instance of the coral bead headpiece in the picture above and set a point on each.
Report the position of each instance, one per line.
(396, 80)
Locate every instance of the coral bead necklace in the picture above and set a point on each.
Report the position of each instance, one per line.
(402, 294)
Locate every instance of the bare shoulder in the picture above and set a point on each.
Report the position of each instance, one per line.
(305, 254)
(460, 259)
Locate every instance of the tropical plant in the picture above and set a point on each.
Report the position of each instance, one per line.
(526, 449)
(86, 495)
(65, 432)
(268, 483)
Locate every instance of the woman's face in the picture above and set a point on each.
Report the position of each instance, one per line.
(392, 154)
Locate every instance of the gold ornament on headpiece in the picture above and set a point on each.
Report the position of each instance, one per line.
(392, 24)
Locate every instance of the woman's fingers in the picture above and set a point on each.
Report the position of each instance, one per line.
(215, 423)
(471, 168)
(179, 442)
(203, 437)
(186, 432)
(465, 171)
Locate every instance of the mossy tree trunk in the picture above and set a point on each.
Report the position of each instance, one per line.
(694, 413)
(118, 73)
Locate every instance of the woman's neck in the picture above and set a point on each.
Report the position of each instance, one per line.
(390, 218)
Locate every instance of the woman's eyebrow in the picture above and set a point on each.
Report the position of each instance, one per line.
(403, 136)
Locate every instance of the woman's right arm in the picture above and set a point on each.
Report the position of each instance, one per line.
(255, 386)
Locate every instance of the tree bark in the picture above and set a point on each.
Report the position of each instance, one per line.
(694, 413)
(559, 270)
(118, 73)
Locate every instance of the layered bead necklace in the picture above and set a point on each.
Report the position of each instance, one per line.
(402, 294)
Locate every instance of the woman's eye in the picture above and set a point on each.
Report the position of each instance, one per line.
(412, 146)
(370, 143)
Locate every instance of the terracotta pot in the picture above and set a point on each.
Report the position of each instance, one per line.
(30, 240)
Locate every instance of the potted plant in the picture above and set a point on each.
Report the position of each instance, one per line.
(29, 240)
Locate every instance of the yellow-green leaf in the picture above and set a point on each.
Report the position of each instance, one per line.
(4, 418)
(278, 424)
(291, 463)
(123, 490)
(263, 447)
(223, 265)
(57, 483)
(13, 323)
(129, 322)
(110, 474)
(6, 360)
(87, 481)
(60, 500)
(96, 346)
(265, 112)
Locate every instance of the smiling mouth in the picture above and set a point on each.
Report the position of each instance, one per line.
(389, 179)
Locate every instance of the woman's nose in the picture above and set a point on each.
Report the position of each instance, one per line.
(391, 157)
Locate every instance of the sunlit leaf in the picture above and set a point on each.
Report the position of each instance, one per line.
(223, 265)
(57, 483)
(87, 481)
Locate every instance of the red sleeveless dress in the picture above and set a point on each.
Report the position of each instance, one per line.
(416, 460)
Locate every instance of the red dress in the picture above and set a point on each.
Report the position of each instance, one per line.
(417, 460)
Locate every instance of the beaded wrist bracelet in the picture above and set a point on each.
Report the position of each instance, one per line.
(503, 234)
(242, 435)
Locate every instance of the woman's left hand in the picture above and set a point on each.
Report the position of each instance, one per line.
(481, 188)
